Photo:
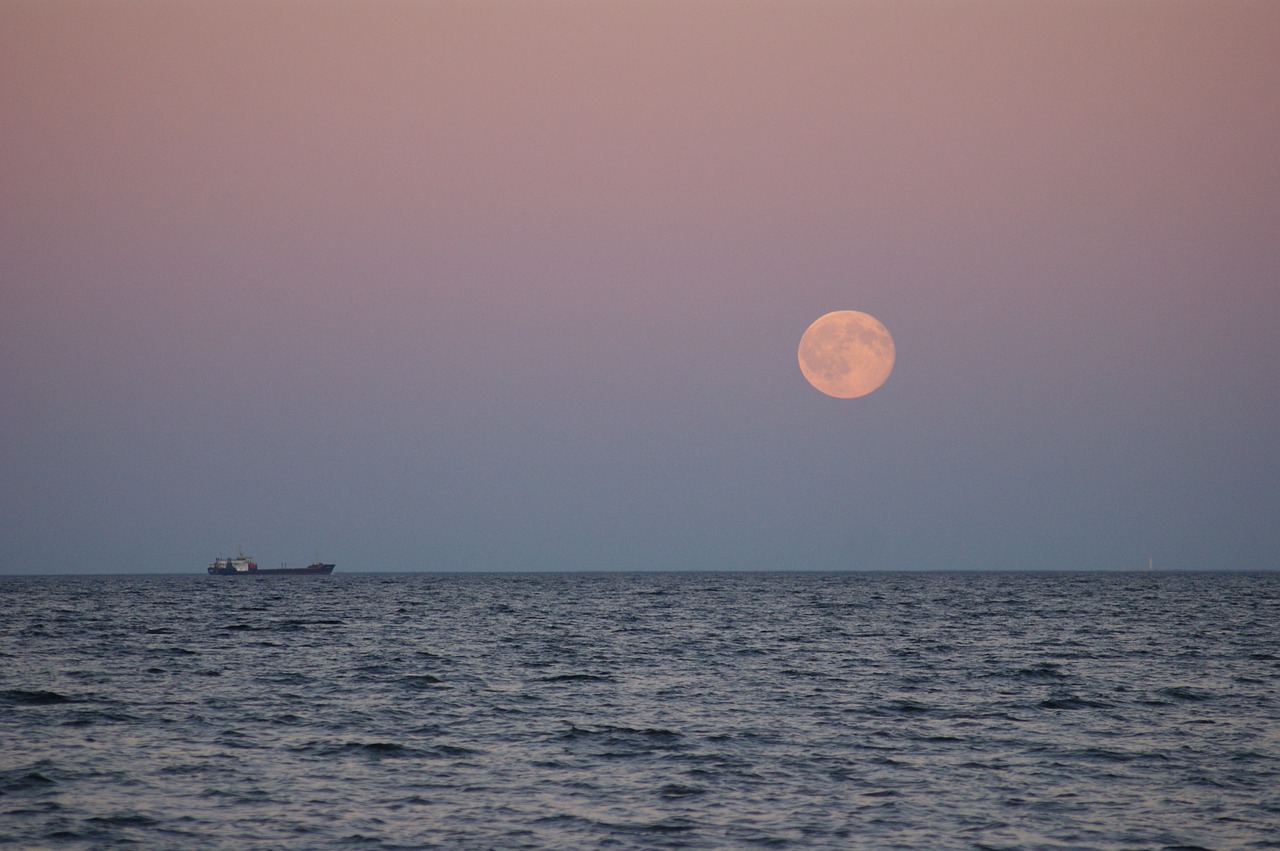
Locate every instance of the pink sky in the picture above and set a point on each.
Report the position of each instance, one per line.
(514, 285)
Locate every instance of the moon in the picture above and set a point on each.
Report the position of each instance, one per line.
(846, 354)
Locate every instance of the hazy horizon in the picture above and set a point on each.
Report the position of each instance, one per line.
(660, 571)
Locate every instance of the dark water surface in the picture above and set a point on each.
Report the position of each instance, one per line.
(641, 711)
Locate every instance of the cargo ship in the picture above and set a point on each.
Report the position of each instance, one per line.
(243, 565)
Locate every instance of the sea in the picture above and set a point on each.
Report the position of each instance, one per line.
(641, 710)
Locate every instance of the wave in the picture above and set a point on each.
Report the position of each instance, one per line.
(23, 697)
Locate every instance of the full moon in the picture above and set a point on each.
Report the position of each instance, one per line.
(846, 354)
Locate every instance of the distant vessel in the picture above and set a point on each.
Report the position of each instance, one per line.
(243, 565)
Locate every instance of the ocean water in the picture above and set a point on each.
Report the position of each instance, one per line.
(855, 710)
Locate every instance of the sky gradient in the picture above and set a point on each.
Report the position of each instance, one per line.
(519, 285)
